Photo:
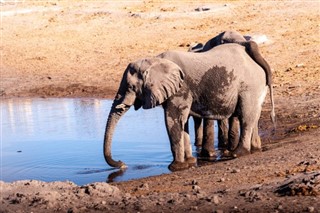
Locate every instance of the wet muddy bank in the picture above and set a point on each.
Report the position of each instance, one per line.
(283, 179)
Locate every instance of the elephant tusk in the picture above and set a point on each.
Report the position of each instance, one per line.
(121, 106)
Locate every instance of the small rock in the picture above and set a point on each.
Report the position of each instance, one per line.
(310, 209)
(300, 65)
(194, 208)
(103, 202)
(216, 199)
(144, 186)
(222, 180)
(171, 201)
(135, 15)
(194, 182)
(235, 171)
(199, 9)
(288, 69)
(188, 196)
(196, 188)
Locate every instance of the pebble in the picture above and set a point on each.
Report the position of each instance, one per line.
(199, 9)
(216, 199)
(222, 180)
(194, 208)
(196, 188)
(289, 69)
(310, 209)
(235, 171)
(144, 186)
(188, 196)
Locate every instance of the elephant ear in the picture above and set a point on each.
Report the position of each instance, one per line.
(161, 80)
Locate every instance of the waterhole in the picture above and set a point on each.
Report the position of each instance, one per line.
(62, 139)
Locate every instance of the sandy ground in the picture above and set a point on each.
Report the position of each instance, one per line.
(80, 49)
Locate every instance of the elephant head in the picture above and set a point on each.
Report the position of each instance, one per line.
(232, 36)
(146, 83)
(223, 38)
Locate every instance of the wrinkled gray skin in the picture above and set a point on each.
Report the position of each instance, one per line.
(208, 85)
(205, 137)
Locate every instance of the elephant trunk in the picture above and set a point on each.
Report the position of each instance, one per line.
(117, 110)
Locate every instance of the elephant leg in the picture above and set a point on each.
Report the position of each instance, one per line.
(249, 117)
(176, 120)
(208, 139)
(255, 141)
(244, 145)
(198, 130)
(233, 133)
(187, 146)
(223, 134)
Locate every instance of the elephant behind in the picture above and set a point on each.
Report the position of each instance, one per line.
(228, 131)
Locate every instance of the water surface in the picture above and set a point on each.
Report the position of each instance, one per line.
(62, 139)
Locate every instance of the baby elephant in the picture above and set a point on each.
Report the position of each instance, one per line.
(217, 84)
(228, 137)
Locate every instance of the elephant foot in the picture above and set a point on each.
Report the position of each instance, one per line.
(222, 145)
(226, 153)
(240, 151)
(254, 150)
(177, 166)
(198, 143)
(207, 153)
(191, 160)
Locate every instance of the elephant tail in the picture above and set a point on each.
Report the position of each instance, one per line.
(253, 50)
(272, 114)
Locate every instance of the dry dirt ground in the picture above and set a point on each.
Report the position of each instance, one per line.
(80, 49)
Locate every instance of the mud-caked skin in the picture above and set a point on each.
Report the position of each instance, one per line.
(228, 129)
(218, 84)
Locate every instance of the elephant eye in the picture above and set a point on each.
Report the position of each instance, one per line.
(131, 70)
(132, 87)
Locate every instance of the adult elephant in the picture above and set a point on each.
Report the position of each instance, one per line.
(218, 84)
(228, 131)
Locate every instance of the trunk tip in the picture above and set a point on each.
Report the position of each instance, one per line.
(117, 164)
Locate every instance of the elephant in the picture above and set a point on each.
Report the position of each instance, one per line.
(217, 84)
(205, 137)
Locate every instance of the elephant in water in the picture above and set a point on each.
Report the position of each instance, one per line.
(228, 131)
(208, 85)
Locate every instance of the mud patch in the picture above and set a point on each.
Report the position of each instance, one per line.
(72, 90)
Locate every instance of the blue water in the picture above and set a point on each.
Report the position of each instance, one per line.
(62, 139)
